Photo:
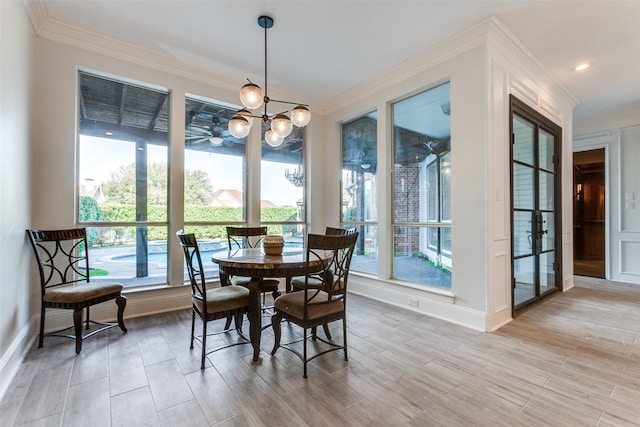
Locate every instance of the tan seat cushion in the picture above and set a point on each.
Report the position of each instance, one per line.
(298, 282)
(314, 283)
(81, 292)
(293, 304)
(224, 298)
(267, 285)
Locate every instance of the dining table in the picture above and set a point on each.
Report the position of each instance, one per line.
(255, 264)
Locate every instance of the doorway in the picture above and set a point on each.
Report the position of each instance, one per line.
(536, 232)
(589, 213)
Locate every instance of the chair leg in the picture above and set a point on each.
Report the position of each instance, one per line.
(77, 324)
(238, 321)
(276, 324)
(121, 302)
(193, 326)
(326, 331)
(204, 343)
(41, 339)
(304, 353)
(86, 325)
(227, 325)
(344, 337)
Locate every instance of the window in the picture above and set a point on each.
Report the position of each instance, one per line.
(282, 196)
(122, 179)
(359, 195)
(214, 177)
(422, 188)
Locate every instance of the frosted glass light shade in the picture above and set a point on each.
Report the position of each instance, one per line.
(246, 114)
(272, 138)
(251, 96)
(239, 126)
(216, 140)
(300, 116)
(281, 125)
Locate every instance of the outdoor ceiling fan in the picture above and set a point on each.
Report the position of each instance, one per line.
(213, 134)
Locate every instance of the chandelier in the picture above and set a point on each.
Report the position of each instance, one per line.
(296, 177)
(252, 97)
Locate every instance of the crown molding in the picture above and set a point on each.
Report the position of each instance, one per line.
(623, 117)
(37, 11)
(60, 32)
(463, 42)
(491, 29)
(502, 38)
(48, 28)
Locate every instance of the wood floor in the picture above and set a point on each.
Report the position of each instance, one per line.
(574, 360)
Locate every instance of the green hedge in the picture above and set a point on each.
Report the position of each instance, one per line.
(127, 213)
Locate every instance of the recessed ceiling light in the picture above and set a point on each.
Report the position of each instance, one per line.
(581, 67)
(108, 133)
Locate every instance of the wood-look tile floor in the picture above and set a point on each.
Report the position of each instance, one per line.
(572, 361)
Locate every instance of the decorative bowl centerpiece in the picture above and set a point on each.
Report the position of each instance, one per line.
(273, 244)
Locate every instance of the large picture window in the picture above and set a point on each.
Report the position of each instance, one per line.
(282, 195)
(359, 195)
(214, 177)
(422, 188)
(122, 179)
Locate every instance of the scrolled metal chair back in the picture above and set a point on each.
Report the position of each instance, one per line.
(61, 255)
(195, 271)
(245, 237)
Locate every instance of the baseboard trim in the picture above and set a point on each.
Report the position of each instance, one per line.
(12, 359)
(431, 304)
(139, 303)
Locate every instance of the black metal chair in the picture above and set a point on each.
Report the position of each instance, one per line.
(299, 283)
(252, 237)
(210, 303)
(315, 306)
(63, 264)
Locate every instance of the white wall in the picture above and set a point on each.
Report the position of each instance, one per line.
(462, 63)
(619, 135)
(485, 65)
(512, 70)
(53, 169)
(16, 69)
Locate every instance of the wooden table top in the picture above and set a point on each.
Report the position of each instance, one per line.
(254, 262)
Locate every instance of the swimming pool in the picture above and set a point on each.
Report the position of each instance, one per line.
(206, 250)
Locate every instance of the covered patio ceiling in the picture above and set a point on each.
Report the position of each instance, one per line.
(122, 111)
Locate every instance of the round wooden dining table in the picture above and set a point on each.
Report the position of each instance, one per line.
(254, 263)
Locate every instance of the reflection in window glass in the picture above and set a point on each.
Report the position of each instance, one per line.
(523, 132)
(419, 257)
(359, 195)
(282, 187)
(422, 188)
(214, 176)
(132, 255)
(123, 178)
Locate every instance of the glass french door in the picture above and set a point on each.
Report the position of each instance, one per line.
(535, 201)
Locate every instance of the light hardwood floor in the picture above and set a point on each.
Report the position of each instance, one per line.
(572, 361)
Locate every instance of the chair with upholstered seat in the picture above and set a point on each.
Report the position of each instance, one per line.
(252, 237)
(298, 283)
(328, 258)
(334, 231)
(63, 264)
(210, 303)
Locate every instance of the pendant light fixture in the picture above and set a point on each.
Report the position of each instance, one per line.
(252, 97)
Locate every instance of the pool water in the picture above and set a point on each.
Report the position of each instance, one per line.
(160, 258)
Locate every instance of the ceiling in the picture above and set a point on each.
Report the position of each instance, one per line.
(320, 49)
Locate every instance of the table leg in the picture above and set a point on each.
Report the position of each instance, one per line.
(255, 317)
